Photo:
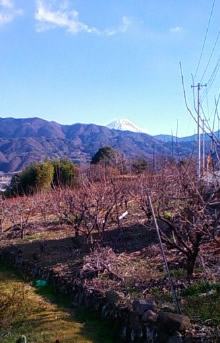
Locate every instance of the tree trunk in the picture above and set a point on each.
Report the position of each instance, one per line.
(76, 228)
(1, 225)
(22, 228)
(191, 260)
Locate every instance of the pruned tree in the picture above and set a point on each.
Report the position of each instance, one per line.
(20, 213)
(183, 207)
(88, 210)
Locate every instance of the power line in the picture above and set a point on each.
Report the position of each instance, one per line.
(214, 73)
(215, 108)
(212, 78)
(207, 100)
(210, 57)
(206, 33)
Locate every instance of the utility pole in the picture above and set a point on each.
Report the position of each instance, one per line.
(216, 111)
(203, 145)
(154, 164)
(172, 143)
(199, 86)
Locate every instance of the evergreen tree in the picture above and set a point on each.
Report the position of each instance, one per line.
(45, 173)
(65, 173)
(108, 156)
(139, 166)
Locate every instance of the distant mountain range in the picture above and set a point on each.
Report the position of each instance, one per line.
(23, 141)
(193, 138)
(170, 138)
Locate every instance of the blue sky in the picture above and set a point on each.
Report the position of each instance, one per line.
(93, 61)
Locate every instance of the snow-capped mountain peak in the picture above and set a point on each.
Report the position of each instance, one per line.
(124, 125)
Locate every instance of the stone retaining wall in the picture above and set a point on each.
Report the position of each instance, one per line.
(141, 321)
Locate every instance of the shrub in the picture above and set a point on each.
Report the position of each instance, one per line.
(38, 177)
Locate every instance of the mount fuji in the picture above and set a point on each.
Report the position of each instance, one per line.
(125, 125)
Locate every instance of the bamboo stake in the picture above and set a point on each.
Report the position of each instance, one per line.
(175, 300)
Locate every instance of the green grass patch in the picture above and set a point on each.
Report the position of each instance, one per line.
(202, 299)
(205, 308)
(160, 296)
(44, 316)
(178, 273)
(202, 286)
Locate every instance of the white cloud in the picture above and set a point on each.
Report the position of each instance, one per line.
(176, 29)
(121, 29)
(6, 3)
(52, 16)
(8, 12)
(49, 18)
(64, 5)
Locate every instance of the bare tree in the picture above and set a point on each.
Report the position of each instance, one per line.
(20, 211)
(88, 209)
(183, 207)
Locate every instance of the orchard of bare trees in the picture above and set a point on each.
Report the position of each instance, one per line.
(187, 211)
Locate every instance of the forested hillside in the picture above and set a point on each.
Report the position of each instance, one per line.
(23, 141)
